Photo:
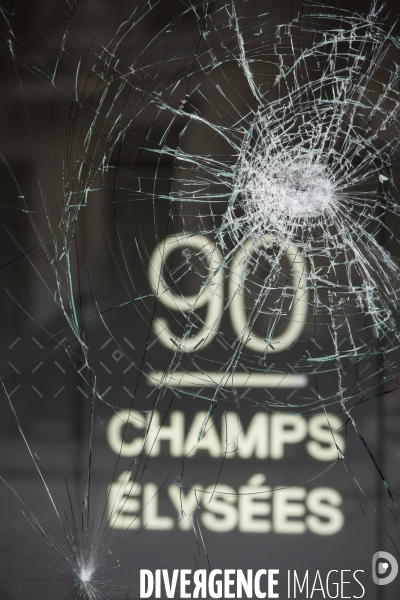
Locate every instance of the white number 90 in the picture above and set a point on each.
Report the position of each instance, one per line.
(211, 294)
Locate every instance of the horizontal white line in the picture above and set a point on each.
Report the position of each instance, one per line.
(193, 379)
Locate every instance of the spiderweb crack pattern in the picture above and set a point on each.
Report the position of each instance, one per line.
(274, 208)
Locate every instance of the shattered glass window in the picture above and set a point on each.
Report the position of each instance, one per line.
(200, 294)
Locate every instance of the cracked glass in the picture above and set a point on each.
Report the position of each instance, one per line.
(200, 291)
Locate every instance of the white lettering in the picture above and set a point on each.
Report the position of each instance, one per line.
(118, 427)
(170, 587)
(335, 584)
(253, 442)
(200, 581)
(203, 436)
(123, 508)
(215, 587)
(286, 429)
(126, 433)
(246, 508)
(359, 583)
(272, 582)
(224, 583)
(257, 590)
(185, 504)
(287, 505)
(251, 505)
(323, 429)
(146, 583)
(317, 579)
(220, 502)
(239, 266)
(150, 509)
(185, 582)
(343, 583)
(210, 295)
(173, 433)
(243, 584)
(228, 583)
(158, 584)
(323, 502)
(296, 583)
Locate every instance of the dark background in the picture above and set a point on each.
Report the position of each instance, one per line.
(42, 364)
